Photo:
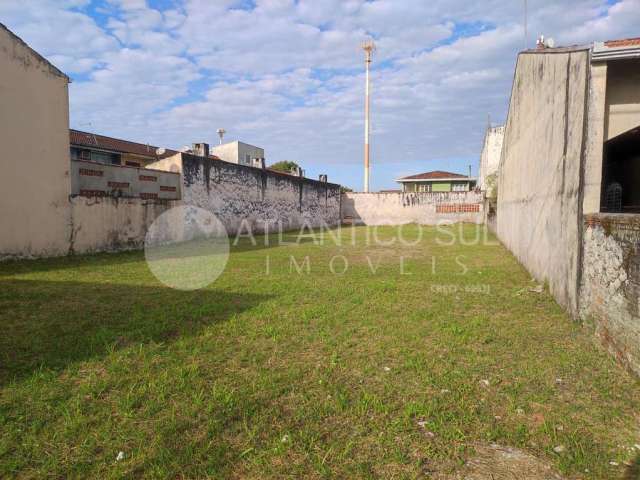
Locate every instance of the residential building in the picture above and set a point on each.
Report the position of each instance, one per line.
(113, 151)
(238, 152)
(437, 181)
(490, 159)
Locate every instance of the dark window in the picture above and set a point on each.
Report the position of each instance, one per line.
(621, 173)
(106, 158)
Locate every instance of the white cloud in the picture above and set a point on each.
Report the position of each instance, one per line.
(288, 75)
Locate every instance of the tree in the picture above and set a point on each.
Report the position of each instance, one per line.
(284, 166)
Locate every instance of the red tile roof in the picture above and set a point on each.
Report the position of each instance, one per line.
(436, 175)
(85, 139)
(629, 42)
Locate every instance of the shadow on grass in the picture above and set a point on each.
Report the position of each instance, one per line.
(49, 325)
(97, 260)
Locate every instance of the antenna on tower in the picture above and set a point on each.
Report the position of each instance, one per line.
(221, 132)
(369, 47)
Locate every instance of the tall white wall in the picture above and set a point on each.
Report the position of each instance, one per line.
(34, 152)
(539, 188)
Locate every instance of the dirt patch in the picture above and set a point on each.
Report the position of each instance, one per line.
(495, 462)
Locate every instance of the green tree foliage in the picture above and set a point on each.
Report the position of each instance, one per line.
(284, 166)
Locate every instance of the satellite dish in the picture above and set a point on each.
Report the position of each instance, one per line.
(550, 42)
(161, 151)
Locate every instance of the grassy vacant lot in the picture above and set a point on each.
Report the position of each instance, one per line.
(286, 374)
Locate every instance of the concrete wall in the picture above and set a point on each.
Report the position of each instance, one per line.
(34, 152)
(623, 97)
(421, 208)
(236, 152)
(490, 156)
(248, 197)
(92, 179)
(108, 224)
(539, 197)
(592, 178)
(610, 289)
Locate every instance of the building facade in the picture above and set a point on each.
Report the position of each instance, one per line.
(490, 159)
(437, 181)
(238, 152)
(91, 147)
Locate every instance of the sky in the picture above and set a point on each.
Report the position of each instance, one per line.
(288, 75)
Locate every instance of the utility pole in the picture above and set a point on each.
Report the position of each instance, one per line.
(368, 47)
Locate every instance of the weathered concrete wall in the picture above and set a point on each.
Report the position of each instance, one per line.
(421, 208)
(539, 196)
(34, 152)
(248, 197)
(106, 224)
(610, 289)
(623, 97)
(490, 157)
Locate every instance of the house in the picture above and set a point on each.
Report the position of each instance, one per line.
(113, 151)
(437, 181)
(238, 152)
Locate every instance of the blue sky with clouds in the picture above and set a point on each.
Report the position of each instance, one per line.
(287, 75)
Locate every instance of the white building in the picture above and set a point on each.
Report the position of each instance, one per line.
(490, 158)
(238, 152)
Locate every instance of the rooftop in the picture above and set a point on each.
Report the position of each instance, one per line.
(93, 140)
(435, 175)
(628, 42)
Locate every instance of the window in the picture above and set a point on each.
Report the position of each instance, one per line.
(247, 159)
(621, 174)
(424, 187)
(459, 187)
(106, 158)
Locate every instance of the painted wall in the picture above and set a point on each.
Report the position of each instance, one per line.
(539, 197)
(108, 224)
(34, 152)
(96, 179)
(610, 289)
(421, 208)
(248, 197)
(435, 186)
(623, 97)
(490, 156)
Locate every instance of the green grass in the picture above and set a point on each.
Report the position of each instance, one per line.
(287, 375)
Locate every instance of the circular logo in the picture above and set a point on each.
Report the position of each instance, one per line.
(187, 248)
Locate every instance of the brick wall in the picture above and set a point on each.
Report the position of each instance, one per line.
(610, 283)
